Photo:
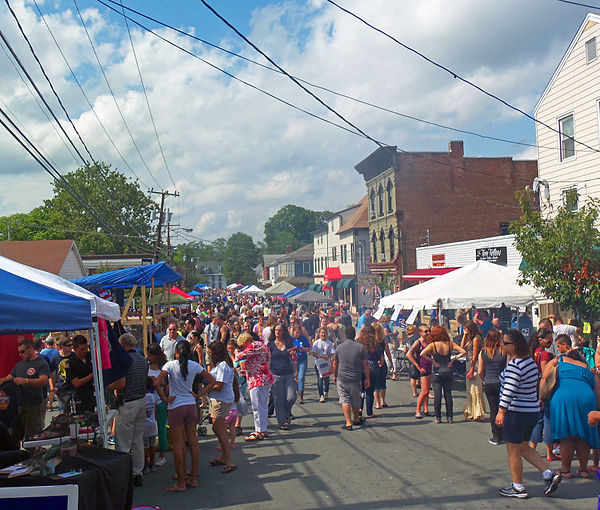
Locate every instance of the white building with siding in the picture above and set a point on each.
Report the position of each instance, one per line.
(568, 157)
(462, 253)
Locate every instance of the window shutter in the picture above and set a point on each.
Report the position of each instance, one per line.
(590, 50)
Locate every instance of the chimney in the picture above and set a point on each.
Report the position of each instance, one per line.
(289, 249)
(456, 148)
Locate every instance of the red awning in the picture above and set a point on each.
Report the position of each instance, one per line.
(332, 274)
(428, 274)
(179, 292)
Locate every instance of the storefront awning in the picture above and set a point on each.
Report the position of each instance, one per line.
(428, 274)
(345, 283)
(332, 274)
(312, 286)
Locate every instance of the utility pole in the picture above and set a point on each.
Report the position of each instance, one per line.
(163, 194)
(8, 223)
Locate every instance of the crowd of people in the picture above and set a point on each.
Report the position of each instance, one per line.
(236, 355)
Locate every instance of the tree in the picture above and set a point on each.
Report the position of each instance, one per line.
(241, 256)
(292, 226)
(117, 200)
(561, 255)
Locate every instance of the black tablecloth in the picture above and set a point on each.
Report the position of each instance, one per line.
(105, 483)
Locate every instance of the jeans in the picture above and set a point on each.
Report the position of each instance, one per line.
(443, 383)
(542, 427)
(322, 383)
(377, 382)
(492, 392)
(259, 396)
(284, 396)
(302, 364)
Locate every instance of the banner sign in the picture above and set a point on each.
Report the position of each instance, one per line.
(497, 255)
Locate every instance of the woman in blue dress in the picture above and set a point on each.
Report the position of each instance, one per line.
(573, 398)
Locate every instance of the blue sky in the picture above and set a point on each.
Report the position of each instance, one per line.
(237, 155)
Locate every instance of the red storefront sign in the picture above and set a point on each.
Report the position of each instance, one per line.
(438, 260)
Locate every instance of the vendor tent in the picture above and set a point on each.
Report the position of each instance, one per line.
(293, 292)
(176, 290)
(310, 296)
(251, 289)
(480, 284)
(163, 299)
(279, 288)
(159, 274)
(34, 300)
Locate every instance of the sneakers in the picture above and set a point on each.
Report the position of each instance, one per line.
(552, 483)
(512, 492)
(495, 442)
(161, 461)
(418, 416)
(326, 396)
(111, 440)
(322, 399)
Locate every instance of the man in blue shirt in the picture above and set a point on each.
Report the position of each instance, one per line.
(365, 318)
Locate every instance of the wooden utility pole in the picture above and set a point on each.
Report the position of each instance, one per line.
(163, 194)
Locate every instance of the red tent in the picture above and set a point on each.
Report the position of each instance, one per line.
(176, 290)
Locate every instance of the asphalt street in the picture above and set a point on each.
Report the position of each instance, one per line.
(394, 461)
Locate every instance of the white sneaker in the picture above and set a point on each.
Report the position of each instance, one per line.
(161, 461)
(512, 492)
(326, 395)
(322, 399)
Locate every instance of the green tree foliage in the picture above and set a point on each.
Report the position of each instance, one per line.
(62, 217)
(292, 225)
(561, 255)
(241, 256)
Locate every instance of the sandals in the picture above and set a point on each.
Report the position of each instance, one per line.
(284, 427)
(228, 469)
(583, 473)
(192, 482)
(176, 488)
(217, 462)
(346, 427)
(565, 474)
(254, 436)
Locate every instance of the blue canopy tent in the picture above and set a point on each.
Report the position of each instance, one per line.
(153, 275)
(292, 292)
(32, 300)
(159, 274)
(195, 293)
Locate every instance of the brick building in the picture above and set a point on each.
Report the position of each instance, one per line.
(420, 198)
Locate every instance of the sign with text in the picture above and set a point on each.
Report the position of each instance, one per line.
(438, 260)
(496, 255)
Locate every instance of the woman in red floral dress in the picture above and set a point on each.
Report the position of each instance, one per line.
(257, 358)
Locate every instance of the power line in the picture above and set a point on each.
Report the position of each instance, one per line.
(319, 100)
(162, 152)
(580, 4)
(327, 89)
(233, 77)
(112, 93)
(290, 104)
(86, 97)
(85, 163)
(455, 75)
(36, 154)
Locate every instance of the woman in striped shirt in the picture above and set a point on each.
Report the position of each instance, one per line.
(518, 414)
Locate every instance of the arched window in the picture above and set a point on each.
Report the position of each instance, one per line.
(392, 243)
(372, 202)
(380, 197)
(382, 241)
(389, 189)
(374, 242)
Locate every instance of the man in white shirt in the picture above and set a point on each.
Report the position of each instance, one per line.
(169, 341)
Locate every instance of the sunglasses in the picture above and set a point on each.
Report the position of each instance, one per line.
(21, 351)
(507, 343)
(68, 345)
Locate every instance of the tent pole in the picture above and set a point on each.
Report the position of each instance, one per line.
(128, 304)
(153, 303)
(98, 379)
(144, 320)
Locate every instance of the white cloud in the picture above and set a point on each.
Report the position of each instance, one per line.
(236, 155)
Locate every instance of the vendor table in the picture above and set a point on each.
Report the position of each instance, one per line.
(105, 481)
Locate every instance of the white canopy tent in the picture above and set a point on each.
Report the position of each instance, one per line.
(279, 288)
(480, 284)
(34, 300)
(252, 289)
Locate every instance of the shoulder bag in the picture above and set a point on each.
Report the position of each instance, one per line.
(548, 383)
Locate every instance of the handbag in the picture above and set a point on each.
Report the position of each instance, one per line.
(548, 383)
